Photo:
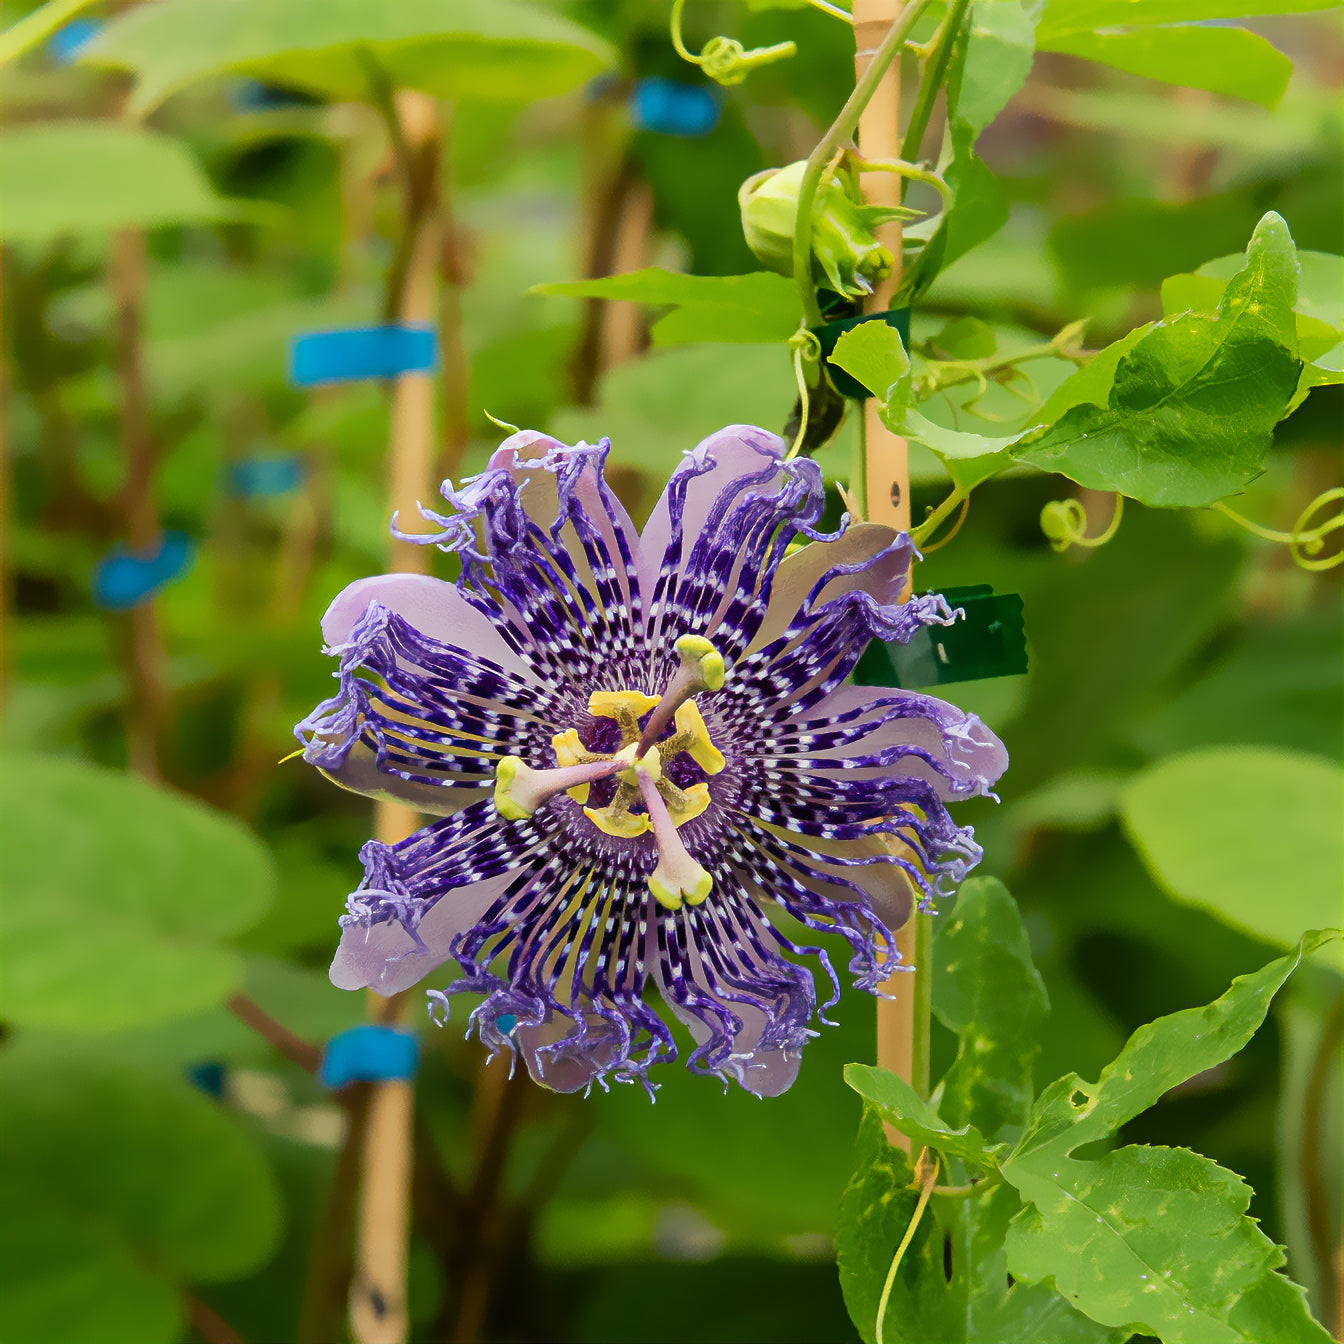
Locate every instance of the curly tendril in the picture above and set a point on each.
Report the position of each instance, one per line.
(806, 350)
(724, 59)
(1064, 522)
(1304, 543)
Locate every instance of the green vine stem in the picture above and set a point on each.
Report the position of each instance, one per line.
(928, 1175)
(840, 131)
(1302, 541)
(935, 70)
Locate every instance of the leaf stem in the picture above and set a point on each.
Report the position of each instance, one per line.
(1311, 1164)
(841, 130)
(944, 510)
(935, 69)
(930, 1175)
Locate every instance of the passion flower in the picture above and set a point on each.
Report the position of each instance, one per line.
(647, 768)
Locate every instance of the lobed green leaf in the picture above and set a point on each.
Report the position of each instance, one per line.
(1272, 877)
(482, 50)
(987, 990)
(122, 893)
(91, 176)
(1154, 1239)
(1190, 415)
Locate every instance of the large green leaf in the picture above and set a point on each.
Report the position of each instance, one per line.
(875, 1211)
(904, 1109)
(760, 306)
(88, 176)
(123, 1186)
(117, 896)
(1081, 16)
(1001, 1308)
(1190, 415)
(999, 50)
(1154, 1239)
(986, 990)
(1249, 834)
(1232, 61)
(483, 50)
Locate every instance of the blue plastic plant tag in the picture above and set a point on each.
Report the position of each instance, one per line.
(354, 353)
(256, 477)
(208, 1078)
(65, 43)
(369, 1054)
(123, 579)
(988, 640)
(670, 108)
(252, 95)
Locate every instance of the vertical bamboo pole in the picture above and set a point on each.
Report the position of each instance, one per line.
(143, 655)
(887, 475)
(378, 1288)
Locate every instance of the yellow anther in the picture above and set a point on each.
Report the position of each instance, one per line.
(506, 776)
(702, 751)
(570, 751)
(650, 765)
(625, 825)
(621, 705)
(697, 652)
(692, 803)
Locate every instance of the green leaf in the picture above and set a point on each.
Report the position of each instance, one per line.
(129, 1185)
(987, 990)
(478, 50)
(872, 352)
(1190, 415)
(1319, 307)
(999, 51)
(969, 458)
(903, 1108)
(1188, 816)
(1081, 16)
(875, 1211)
(1000, 1308)
(760, 306)
(126, 891)
(1231, 61)
(1154, 1239)
(644, 407)
(89, 176)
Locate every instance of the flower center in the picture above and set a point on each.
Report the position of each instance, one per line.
(638, 767)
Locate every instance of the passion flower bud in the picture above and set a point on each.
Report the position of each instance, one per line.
(845, 254)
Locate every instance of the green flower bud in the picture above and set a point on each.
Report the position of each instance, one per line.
(845, 254)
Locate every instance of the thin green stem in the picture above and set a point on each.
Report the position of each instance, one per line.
(935, 70)
(944, 510)
(841, 130)
(925, 1192)
(923, 973)
(858, 464)
(833, 10)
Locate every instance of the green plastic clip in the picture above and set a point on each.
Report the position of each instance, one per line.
(830, 332)
(988, 641)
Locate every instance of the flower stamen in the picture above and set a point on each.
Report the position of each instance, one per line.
(702, 669)
(520, 790)
(678, 877)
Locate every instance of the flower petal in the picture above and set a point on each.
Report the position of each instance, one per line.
(431, 606)
(385, 957)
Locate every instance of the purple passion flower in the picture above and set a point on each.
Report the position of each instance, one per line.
(644, 763)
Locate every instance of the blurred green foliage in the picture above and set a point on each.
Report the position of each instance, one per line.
(1175, 742)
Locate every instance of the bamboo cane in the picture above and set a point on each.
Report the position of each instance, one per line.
(378, 1288)
(887, 483)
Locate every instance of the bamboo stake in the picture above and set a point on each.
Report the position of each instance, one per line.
(378, 1288)
(887, 483)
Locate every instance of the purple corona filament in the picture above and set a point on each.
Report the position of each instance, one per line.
(646, 770)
